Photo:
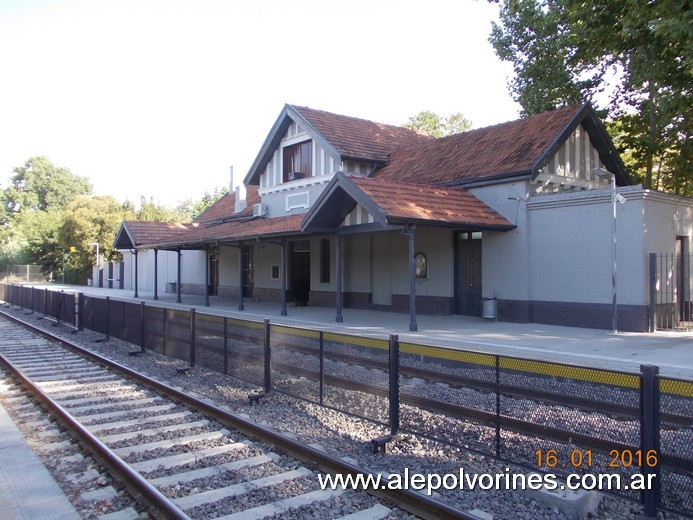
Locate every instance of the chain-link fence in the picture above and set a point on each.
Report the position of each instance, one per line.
(15, 273)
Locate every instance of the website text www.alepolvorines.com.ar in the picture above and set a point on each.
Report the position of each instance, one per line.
(506, 480)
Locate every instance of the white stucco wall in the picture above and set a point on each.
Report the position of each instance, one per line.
(264, 258)
(192, 269)
(570, 247)
(437, 245)
(357, 270)
(228, 266)
(570, 243)
(388, 266)
(505, 255)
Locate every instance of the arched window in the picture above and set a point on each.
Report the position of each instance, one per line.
(421, 266)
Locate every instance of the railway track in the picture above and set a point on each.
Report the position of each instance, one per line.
(181, 457)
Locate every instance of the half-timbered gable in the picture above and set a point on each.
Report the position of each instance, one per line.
(572, 166)
(306, 147)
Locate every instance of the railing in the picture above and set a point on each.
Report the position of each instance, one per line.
(543, 416)
(671, 284)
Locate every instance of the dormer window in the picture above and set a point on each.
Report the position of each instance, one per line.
(298, 161)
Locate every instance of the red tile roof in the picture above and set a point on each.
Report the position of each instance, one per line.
(235, 230)
(408, 188)
(224, 207)
(418, 202)
(144, 232)
(504, 149)
(359, 138)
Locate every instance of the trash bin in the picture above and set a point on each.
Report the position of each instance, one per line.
(170, 287)
(489, 308)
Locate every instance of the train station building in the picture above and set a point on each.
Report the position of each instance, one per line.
(534, 220)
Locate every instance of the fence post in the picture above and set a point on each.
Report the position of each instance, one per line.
(267, 357)
(498, 402)
(163, 334)
(108, 317)
(226, 345)
(59, 305)
(653, 292)
(322, 368)
(649, 436)
(394, 384)
(192, 337)
(141, 326)
(80, 311)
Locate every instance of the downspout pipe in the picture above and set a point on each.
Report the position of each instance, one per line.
(409, 231)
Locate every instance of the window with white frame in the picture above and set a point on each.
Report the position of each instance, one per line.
(297, 161)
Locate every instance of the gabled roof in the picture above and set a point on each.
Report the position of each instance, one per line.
(134, 233)
(360, 139)
(516, 148)
(390, 202)
(346, 137)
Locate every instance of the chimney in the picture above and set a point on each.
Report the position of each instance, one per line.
(238, 203)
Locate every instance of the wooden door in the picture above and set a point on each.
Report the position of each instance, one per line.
(468, 273)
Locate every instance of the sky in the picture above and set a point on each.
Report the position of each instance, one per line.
(158, 98)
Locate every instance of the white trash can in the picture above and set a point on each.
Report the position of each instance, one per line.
(489, 308)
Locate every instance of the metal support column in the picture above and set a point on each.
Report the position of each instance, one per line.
(240, 276)
(156, 274)
(283, 275)
(338, 277)
(136, 268)
(409, 232)
(179, 255)
(206, 276)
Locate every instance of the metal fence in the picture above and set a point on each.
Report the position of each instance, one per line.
(671, 303)
(549, 417)
(60, 306)
(15, 273)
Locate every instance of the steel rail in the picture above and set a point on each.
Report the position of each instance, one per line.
(411, 501)
(160, 506)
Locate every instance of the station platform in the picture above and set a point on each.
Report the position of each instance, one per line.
(27, 490)
(671, 351)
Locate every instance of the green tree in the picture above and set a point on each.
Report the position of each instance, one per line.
(39, 185)
(32, 206)
(86, 221)
(565, 52)
(37, 237)
(436, 125)
(207, 200)
(153, 212)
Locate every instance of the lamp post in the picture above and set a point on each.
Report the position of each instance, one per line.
(97, 251)
(96, 244)
(603, 173)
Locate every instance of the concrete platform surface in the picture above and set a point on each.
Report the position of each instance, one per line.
(27, 490)
(671, 351)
